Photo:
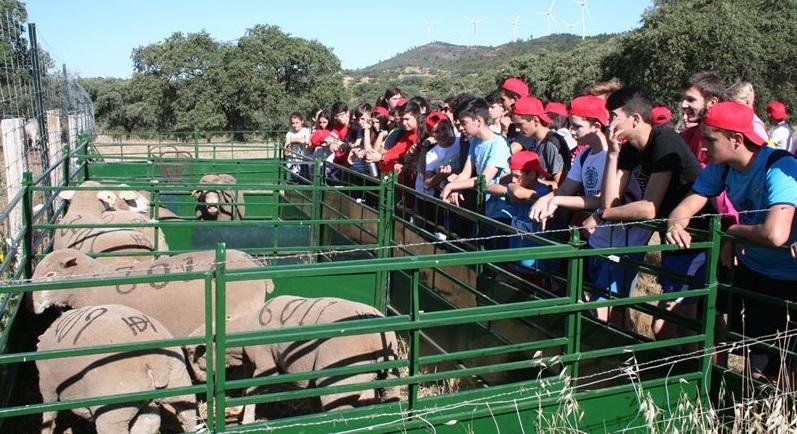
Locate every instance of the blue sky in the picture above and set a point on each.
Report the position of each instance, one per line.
(95, 38)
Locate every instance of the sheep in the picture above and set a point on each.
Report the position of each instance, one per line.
(295, 357)
(180, 305)
(98, 208)
(99, 375)
(211, 203)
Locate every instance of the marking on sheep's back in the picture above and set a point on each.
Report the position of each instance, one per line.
(73, 318)
(139, 324)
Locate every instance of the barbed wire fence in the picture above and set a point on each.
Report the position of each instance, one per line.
(43, 108)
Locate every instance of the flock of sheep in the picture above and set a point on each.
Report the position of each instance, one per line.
(136, 312)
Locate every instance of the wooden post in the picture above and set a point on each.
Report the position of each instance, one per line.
(54, 144)
(13, 133)
(72, 137)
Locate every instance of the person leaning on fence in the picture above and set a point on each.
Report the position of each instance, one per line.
(581, 191)
(782, 136)
(524, 190)
(761, 182)
(297, 139)
(666, 169)
(488, 156)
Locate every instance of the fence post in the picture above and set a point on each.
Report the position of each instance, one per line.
(27, 222)
(39, 107)
(67, 161)
(574, 293)
(709, 307)
(53, 142)
(13, 152)
(220, 347)
(318, 198)
(384, 233)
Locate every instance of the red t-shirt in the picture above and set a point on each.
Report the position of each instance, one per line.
(341, 156)
(693, 136)
(394, 154)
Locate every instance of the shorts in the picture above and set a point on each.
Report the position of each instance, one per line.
(611, 276)
(689, 263)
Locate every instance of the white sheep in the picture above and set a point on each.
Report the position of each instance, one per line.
(101, 375)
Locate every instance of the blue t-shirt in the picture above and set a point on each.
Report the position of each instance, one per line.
(522, 222)
(493, 152)
(756, 189)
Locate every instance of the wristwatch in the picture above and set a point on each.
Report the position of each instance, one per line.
(599, 213)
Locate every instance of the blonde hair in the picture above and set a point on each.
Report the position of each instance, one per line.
(742, 92)
(604, 88)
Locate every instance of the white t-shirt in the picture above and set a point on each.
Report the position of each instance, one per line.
(590, 176)
(782, 137)
(293, 137)
(436, 157)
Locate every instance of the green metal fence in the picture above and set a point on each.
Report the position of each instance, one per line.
(516, 349)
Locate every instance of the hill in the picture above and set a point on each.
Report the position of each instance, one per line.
(439, 68)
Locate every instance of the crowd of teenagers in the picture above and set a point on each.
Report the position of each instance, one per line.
(609, 151)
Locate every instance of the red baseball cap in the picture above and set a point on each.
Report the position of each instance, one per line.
(776, 111)
(733, 116)
(530, 106)
(660, 115)
(527, 161)
(319, 136)
(381, 111)
(434, 118)
(556, 107)
(516, 85)
(590, 106)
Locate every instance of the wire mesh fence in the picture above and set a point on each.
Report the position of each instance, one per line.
(44, 109)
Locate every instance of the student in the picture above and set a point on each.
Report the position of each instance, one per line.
(323, 121)
(581, 191)
(488, 156)
(413, 129)
(442, 160)
(698, 94)
(523, 191)
(510, 91)
(755, 177)
(782, 136)
(359, 128)
(743, 93)
(496, 110)
(340, 128)
(297, 139)
(560, 122)
(531, 121)
(666, 171)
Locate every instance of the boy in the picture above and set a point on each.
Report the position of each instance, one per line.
(666, 171)
(755, 177)
(488, 156)
(296, 141)
(524, 189)
(588, 118)
(531, 121)
(698, 94)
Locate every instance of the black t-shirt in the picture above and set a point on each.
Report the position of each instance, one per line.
(666, 151)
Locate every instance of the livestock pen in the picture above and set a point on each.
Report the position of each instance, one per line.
(489, 348)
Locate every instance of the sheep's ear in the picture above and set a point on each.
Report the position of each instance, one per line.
(128, 195)
(197, 353)
(196, 193)
(70, 262)
(66, 194)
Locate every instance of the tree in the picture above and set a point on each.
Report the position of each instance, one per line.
(744, 39)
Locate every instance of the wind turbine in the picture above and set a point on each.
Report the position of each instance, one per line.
(549, 16)
(584, 16)
(475, 22)
(429, 25)
(514, 26)
(569, 25)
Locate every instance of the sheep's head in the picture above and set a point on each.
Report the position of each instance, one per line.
(60, 265)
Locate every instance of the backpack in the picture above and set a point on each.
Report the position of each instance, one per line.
(564, 150)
